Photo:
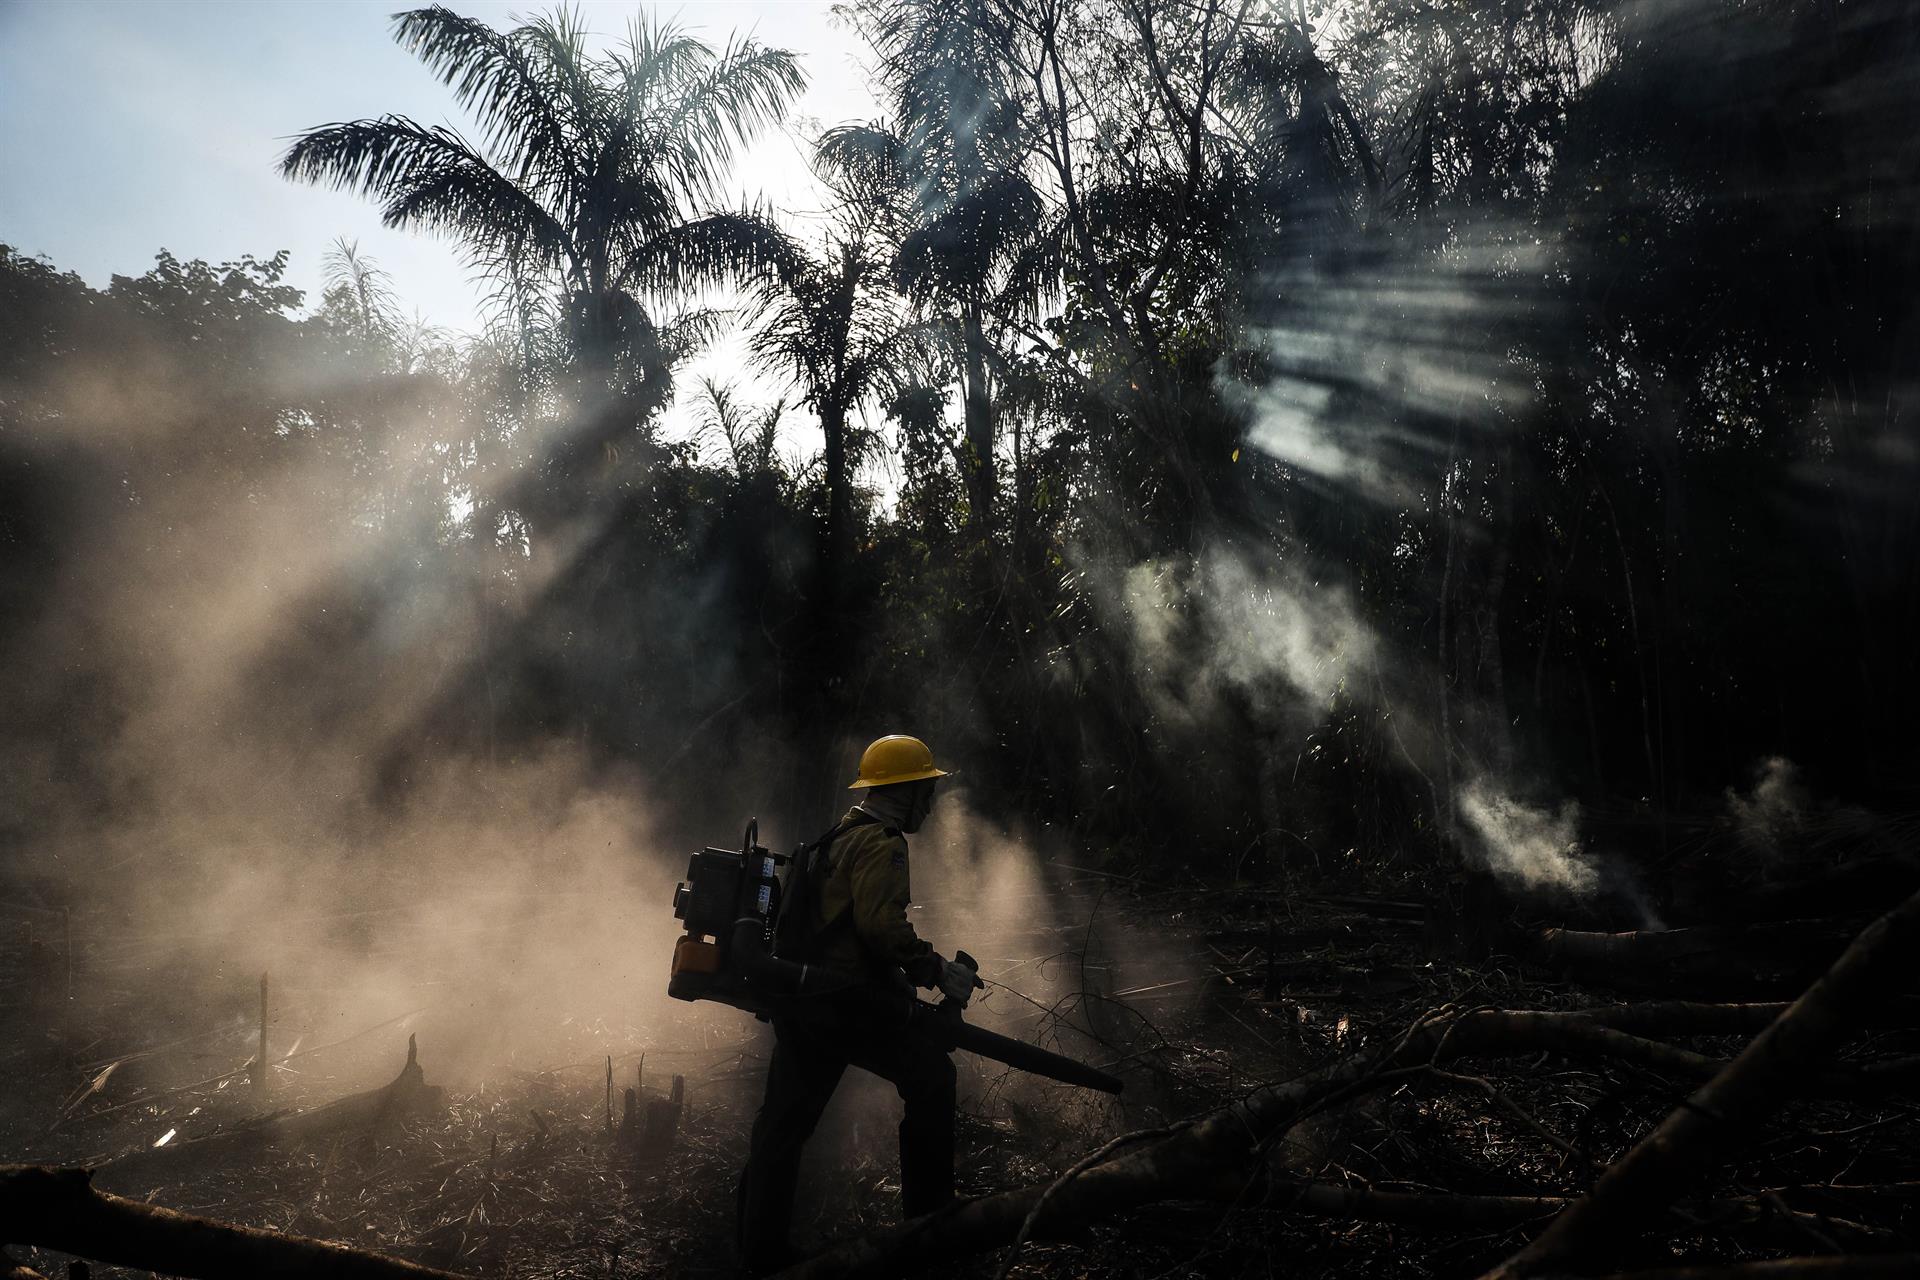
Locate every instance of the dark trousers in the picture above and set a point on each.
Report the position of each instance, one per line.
(808, 1061)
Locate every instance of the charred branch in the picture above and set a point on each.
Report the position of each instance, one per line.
(1843, 1267)
(60, 1209)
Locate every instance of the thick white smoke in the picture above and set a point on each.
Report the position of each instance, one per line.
(1535, 846)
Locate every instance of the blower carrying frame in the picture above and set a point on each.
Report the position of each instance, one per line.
(729, 905)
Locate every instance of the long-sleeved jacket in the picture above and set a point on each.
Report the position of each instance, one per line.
(862, 900)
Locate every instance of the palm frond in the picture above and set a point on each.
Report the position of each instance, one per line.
(432, 178)
(1035, 270)
(659, 59)
(750, 434)
(648, 78)
(689, 332)
(958, 249)
(746, 89)
(512, 83)
(831, 325)
(886, 362)
(707, 252)
(578, 200)
(559, 39)
(867, 157)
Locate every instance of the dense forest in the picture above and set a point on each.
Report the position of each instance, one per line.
(1459, 451)
(1292, 426)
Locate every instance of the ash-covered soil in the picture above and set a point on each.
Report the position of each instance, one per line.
(524, 1164)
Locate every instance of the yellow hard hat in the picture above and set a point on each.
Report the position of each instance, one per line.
(895, 758)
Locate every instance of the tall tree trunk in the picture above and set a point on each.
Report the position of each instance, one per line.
(1497, 721)
(1444, 676)
(979, 418)
(839, 539)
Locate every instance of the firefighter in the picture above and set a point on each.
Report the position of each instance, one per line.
(860, 926)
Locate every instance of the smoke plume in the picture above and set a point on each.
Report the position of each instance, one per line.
(1533, 846)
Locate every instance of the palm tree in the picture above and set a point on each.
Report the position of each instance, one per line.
(954, 163)
(589, 196)
(829, 324)
(360, 292)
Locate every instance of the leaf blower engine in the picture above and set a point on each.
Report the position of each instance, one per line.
(730, 905)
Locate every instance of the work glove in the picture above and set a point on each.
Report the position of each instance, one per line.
(957, 981)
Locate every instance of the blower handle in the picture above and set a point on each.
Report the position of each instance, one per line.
(952, 1009)
(972, 964)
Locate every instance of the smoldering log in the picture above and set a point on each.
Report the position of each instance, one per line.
(61, 1209)
(1764, 958)
(1692, 1138)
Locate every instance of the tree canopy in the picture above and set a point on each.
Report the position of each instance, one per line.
(1246, 434)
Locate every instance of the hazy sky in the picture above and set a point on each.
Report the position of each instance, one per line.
(128, 126)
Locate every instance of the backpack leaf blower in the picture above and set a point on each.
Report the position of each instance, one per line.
(731, 906)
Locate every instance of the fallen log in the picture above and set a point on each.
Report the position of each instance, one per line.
(148, 1099)
(1777, 1064)
(1416, 1209)
(1782, 956)
(1378, 908)
(1581, 1035)
(1899, 1195)
(405, 1093)
(1685, 1017)
(1825, 1267)
(1488, 1031)
(60, 1209)
(1445, 1211)
(364, 1112)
